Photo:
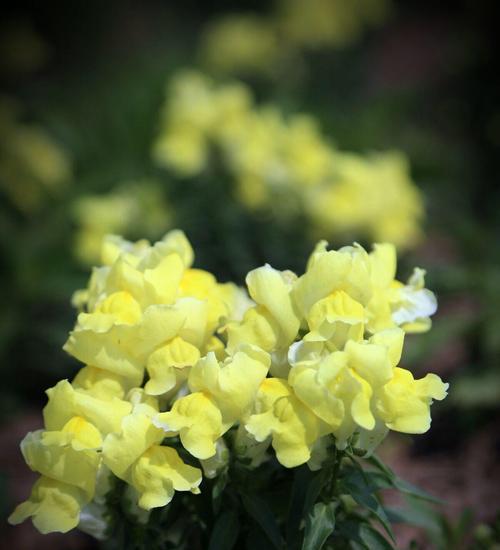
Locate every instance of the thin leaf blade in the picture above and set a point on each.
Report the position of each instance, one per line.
(320, 524)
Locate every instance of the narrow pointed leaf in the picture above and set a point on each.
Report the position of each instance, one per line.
(225, 532)
(320, 524)
(262, 514)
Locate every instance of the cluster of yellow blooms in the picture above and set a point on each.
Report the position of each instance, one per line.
(286, 162)
(172, 357)
(130, 209)
(244, 42)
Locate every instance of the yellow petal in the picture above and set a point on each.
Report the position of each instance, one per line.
(336, 318)
(158, 473)
(121, 450)
(291, 425)
(53, 506)
(370, 361)
(64, 464)
(383, 264)
(197, 420)
(65, 402)
(163, 280)
(165, 365)
(77, 432)
(269, 289)
(232, 384)
(392, 340)
(175, 241)
(326, 274)
(404, 403)
(311, 390)
(258, 328)
(100, 383)
(122, 306)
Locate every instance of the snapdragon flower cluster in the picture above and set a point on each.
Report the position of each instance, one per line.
(176, 363)
(285, 164)
(262, 44)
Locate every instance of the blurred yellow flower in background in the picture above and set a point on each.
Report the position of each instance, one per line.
(285, 164)
(372, 195)
(329, 23)
(240, 43)
(132, 208)
(248, 44)
(33, 166)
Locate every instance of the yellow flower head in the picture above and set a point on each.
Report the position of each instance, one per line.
(292, 427)
(53, 505)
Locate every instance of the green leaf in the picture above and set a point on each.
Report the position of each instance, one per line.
(413, 491)
(217, 491)
(375, 461)
(357, 485)
(411, 516)
(314, 489)
(262, 514)
(372, 539)
(225, 532)
(320, 524)
(400, 484)
(256, 538)
(357, 530)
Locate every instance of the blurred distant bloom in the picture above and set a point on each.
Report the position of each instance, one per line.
(286, 164)
(240, 43)
(389, 206)
(132, 209)
(32, 165)
(329, 23)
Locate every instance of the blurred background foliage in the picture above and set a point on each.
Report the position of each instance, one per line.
(83, 88)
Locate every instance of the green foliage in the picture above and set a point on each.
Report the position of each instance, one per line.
(340, 506)
(320, 524)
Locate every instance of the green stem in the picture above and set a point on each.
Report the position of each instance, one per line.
(330, 490)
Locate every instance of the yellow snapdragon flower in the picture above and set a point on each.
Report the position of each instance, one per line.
(339, 386)
(53, 505)
(223, 393)
(68, 461)
(404, 403)
(291, 425)
(134, 454)
(369, 280)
